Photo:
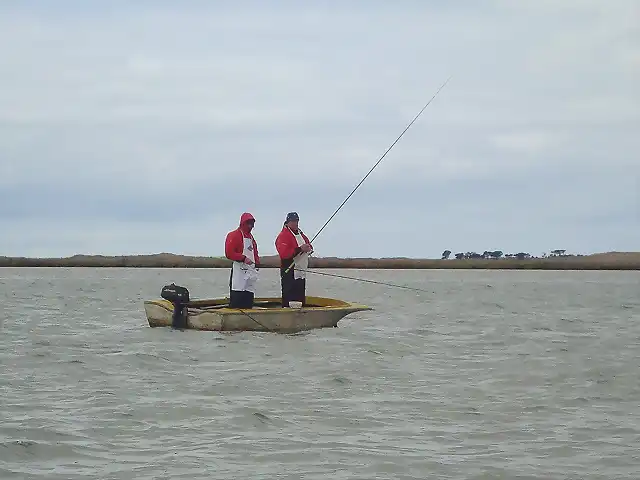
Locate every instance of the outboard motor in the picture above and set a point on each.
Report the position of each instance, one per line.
(179, 297)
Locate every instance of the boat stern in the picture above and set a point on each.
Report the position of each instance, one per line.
(158, 313)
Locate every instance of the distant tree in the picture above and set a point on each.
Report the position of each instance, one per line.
(522, 255)
(558, 253)
(497, 254)
(459, 256)
(446, 254)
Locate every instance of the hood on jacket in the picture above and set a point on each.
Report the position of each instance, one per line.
(246, 216)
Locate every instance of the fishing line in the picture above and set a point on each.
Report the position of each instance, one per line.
(367, 281)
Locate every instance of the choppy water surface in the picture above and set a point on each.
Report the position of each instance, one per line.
(492, 375)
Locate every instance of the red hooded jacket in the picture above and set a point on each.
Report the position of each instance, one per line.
(287, 245)
(234, 243)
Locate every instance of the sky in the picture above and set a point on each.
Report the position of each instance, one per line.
(146, 127)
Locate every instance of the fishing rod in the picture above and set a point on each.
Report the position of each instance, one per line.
(367, 281)
(373, 168)
(380, 160)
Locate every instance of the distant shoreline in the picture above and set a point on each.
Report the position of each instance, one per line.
(598, 261)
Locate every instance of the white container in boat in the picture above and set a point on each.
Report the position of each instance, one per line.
(295, 304)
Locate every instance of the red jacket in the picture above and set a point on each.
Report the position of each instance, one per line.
(287, 245)
(234, 243)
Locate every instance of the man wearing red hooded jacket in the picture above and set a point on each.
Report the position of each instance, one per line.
(293, 246)
(242, 249)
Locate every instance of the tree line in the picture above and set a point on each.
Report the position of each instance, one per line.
(497, 254)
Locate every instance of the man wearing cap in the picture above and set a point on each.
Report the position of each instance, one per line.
(293, 246)
(241, 247)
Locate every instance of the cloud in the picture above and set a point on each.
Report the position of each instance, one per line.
(123, 124)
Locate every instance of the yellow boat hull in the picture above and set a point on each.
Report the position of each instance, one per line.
(267, 315)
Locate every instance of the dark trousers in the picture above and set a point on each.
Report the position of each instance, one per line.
(239, 298)
(292, 289)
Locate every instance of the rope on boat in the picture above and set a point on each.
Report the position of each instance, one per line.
(262, 325)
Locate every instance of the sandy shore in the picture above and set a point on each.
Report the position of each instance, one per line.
(598, 261)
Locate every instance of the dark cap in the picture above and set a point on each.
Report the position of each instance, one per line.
(292, 216)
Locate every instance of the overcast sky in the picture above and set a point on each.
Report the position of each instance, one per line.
(147, 127)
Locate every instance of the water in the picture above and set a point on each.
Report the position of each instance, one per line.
(494, 375)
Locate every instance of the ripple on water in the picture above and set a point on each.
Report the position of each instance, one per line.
(495, 375)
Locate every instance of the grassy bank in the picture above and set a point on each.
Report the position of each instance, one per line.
(602, 261)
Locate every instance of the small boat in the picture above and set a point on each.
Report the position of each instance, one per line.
(267, 315)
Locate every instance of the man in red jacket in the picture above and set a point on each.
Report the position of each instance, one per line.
(293, 247)
(241, 247)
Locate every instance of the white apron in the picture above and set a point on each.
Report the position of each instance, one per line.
(244, 277)
(301, 261)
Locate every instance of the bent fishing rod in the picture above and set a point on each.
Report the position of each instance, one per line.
(374, 167)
